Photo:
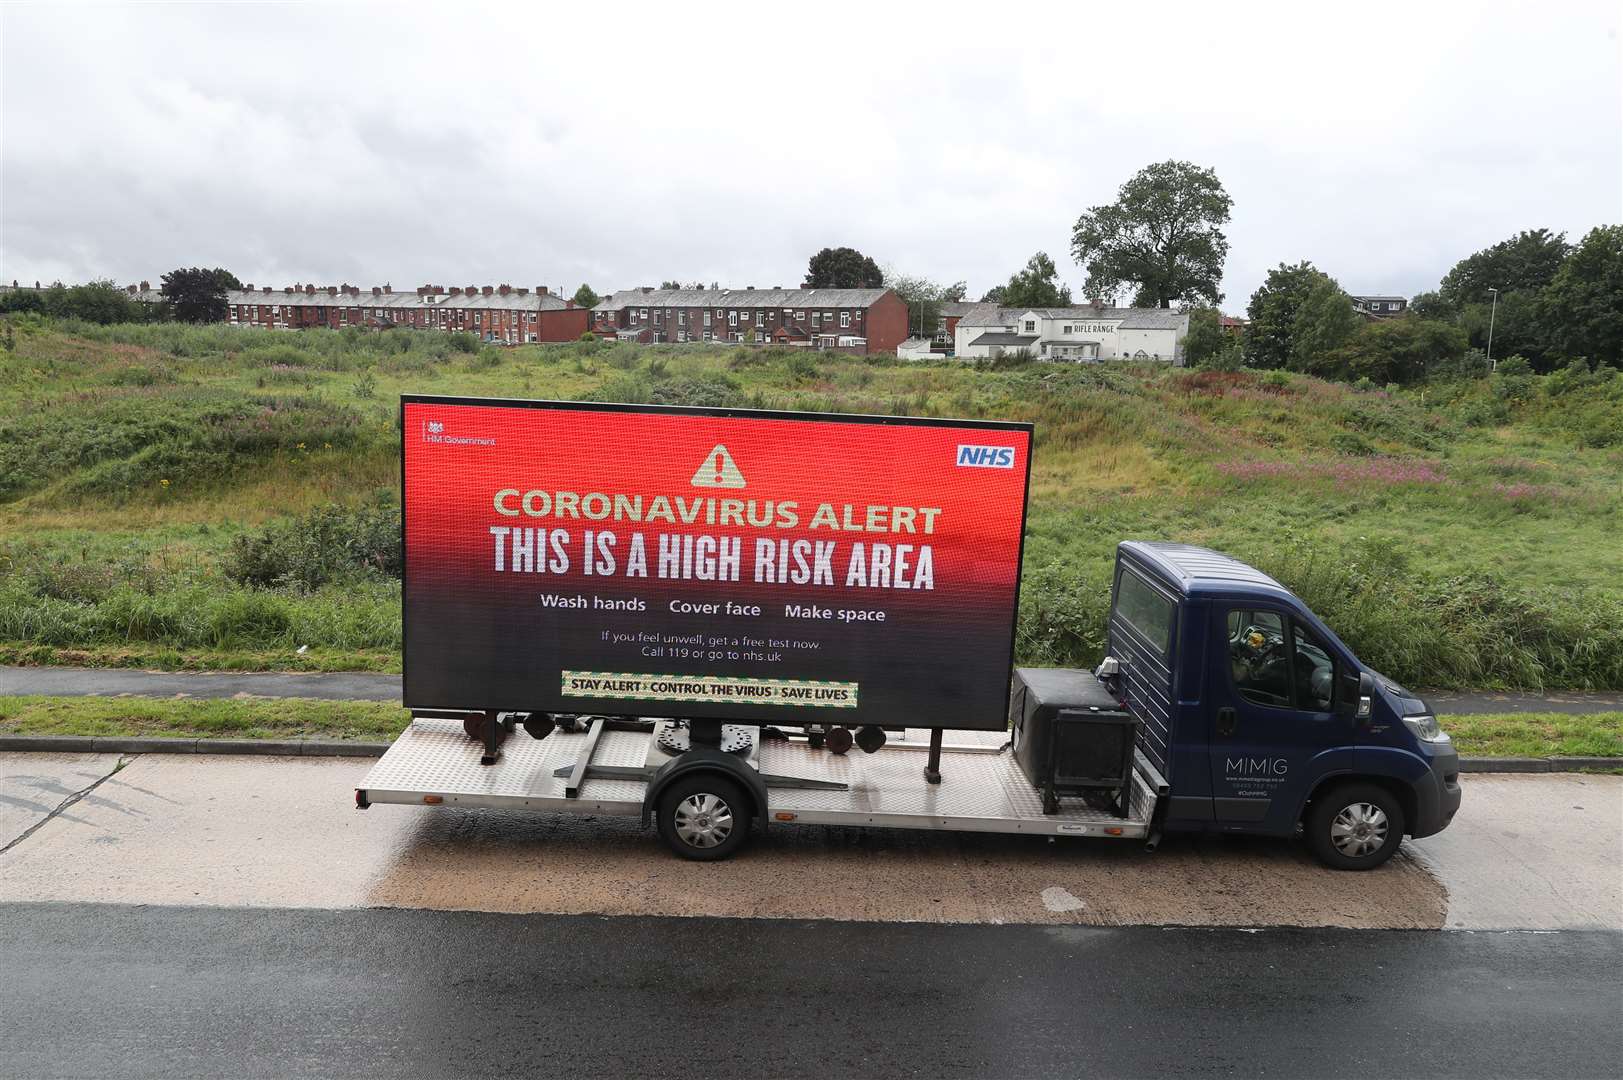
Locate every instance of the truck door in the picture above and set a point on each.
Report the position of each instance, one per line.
(1273, 685)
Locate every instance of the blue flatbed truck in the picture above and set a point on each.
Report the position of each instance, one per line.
(1224, 705)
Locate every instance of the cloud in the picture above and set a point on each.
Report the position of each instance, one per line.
(622, 146)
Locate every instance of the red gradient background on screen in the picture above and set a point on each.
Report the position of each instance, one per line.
(480, 638)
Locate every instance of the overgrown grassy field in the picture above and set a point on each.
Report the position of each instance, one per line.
(1464, 534)
(1498, 735)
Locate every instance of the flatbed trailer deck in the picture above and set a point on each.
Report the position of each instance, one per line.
(605, 769)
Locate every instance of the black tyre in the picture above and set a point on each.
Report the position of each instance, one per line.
(1355, 826)
(704, 817)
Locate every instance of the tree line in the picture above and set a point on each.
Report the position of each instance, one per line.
(1534, 296)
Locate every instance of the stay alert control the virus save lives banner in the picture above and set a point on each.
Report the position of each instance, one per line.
(751, 567)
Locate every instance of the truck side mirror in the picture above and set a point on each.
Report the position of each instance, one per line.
(1352, 699)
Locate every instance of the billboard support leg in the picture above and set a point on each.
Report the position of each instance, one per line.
(932, 765)
(494, 734)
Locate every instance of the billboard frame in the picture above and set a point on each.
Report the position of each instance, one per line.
(724, 413)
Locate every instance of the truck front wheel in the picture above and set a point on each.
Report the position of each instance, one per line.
(1355, 826)
(705, 817)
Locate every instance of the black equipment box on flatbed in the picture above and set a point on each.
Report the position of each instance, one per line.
(1071, 735)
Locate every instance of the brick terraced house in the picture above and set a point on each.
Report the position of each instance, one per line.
(849, 320)
(498, 313)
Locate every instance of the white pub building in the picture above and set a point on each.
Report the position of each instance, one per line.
(1087, 334)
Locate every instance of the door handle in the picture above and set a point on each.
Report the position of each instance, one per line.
(1225, 721)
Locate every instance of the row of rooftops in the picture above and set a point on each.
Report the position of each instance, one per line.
(496, 297)
(740, 298)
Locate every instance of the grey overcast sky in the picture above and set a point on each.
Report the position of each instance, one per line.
(620, 145)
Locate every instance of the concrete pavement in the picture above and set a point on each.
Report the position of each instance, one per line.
(127, 991)
(1527, 851)
(369, 686)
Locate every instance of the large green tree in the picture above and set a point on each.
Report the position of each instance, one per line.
(1525, 263)
(1037, 285)
(1162, 237)
(1583, 304)
(586, 297)
(198, 295)
(843, 268)
(923, 298)
(1394, 351)
(1298, 313)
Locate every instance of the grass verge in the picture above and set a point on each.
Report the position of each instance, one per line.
(159, 658)
(264, 718)
(1498, 735)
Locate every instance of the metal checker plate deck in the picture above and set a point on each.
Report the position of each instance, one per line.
(978, 791)
(437, 757)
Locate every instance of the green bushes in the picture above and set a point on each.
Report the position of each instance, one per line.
(114, 446)
(331, 544)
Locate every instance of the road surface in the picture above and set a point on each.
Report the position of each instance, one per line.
(368, 686)
(164, 992)
(1542, 851)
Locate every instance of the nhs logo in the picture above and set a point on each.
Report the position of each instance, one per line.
(985, 457)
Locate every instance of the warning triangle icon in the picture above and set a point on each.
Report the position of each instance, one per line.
(718, 470)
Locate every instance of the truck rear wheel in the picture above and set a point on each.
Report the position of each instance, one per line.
(704, 817)
(1355, 826)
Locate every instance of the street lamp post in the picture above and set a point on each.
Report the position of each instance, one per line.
(1492, 311)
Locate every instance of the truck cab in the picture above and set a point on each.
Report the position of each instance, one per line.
(1261, 719)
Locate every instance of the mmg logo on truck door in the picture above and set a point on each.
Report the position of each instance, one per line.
(986, 457)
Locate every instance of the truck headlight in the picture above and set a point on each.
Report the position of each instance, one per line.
(1426, 728)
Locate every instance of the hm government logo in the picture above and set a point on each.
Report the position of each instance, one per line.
(718, 470)
(985, 457)
(434, 432)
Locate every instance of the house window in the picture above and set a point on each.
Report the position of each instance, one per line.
(681, 318)
(800, 316)
(1031, 326)
(732, 319)
(815, 316)
(1066, 329)
(845, 319)
(707, 334)
(828, 316)
(707, 322)
(643, 314)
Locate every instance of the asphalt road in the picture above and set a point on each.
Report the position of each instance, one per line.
(167, 992)
(369, 686)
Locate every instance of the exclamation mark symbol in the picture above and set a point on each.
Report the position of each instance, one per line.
(718, 467)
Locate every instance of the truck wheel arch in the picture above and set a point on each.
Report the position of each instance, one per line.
(1403, 793)
(703, 760)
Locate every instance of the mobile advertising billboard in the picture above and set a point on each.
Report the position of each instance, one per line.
(753, 567)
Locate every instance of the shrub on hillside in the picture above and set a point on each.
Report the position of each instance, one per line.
(325, 545)
(701, 391)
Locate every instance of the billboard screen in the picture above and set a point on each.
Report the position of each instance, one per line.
(746, 566)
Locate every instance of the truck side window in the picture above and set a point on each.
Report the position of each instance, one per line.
(1314, 671)
(1259, 657)
(1145, 610)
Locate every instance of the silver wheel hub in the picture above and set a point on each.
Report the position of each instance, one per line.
(703, 820)
(1359, 830)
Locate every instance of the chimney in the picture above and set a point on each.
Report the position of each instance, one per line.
(376, 291)
(387, 289)
(645, 288)
(749, 288)
(267, 288)
(569, 303)
(249, 287)
(287, 289)
(540, 290)
(332, 290)
(144, 286)
(488, 290)
(505, 289)
(522, 291)
(309, 290)
(456, 290)
(805, 284)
